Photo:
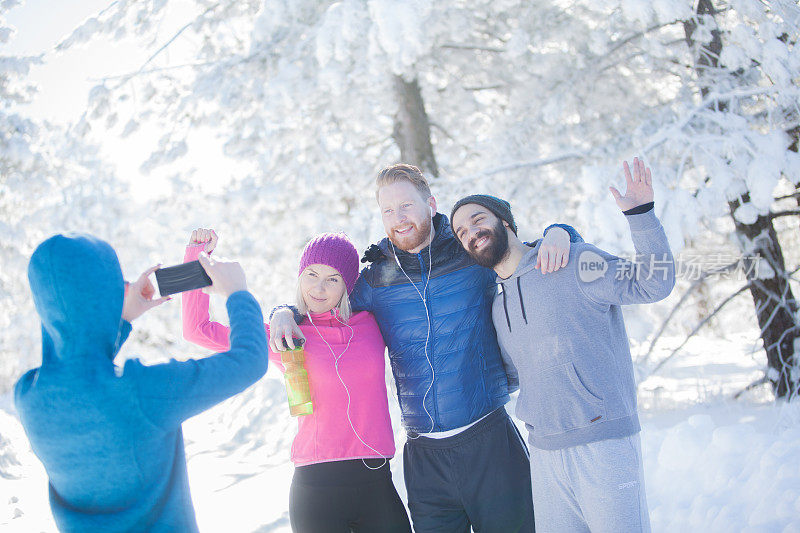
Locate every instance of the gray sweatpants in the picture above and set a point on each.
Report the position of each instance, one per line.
(597, 487)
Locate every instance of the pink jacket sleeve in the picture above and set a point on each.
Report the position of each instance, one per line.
(197, 326)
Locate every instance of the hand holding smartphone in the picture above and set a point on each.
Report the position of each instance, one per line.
(181, 278)
(224, 277)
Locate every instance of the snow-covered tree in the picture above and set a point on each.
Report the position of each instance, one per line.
(728, 150)
(51, 181)
(536, 102)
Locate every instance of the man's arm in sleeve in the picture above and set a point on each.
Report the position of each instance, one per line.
(361, 297)
(170, 393)
(511, 370)
(574, 236)
(649, 278)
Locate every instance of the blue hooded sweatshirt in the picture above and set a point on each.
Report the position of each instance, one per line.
(111, 441)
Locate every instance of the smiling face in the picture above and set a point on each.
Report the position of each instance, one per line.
(482, 234)
(322, 288)
(406, 215)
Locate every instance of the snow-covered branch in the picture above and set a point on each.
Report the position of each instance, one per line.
(697, 328)
(616, 45)
(665, 133)
(786, 213)
(524, 164)
(176, 35)
(477, 47)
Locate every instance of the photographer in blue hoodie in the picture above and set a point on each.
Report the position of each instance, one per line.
(110, 439)
(566, 338)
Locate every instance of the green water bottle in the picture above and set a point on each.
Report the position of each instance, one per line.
(295, 377)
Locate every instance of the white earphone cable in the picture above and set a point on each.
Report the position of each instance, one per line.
(346, 389)
(427, 318)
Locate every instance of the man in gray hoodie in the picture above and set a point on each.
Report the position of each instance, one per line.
(565, 338)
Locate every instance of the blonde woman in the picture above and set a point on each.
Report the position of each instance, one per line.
(342, 481)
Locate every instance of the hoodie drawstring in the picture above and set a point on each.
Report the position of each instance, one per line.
(521, 302)
(505, 307)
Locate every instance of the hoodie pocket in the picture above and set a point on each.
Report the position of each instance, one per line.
(564, 402)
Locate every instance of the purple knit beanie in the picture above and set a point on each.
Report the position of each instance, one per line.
(336, 251)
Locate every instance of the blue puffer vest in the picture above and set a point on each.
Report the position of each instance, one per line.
(443, 350)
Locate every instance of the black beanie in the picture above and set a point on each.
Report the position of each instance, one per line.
(500, 208)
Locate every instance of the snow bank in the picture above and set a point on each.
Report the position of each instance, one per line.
(715, 465)
(706, 474)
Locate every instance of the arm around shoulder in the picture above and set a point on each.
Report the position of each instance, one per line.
(361, 297)
(574, 236)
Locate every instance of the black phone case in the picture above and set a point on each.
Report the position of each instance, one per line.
(180, 278)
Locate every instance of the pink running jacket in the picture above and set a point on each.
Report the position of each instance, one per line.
(327, 434)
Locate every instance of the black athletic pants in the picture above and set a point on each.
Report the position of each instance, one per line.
(345, 496)
(478, 478)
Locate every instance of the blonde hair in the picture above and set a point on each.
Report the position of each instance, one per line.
(345, 310)
(403, 172)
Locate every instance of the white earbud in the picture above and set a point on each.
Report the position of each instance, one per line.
(431, 212)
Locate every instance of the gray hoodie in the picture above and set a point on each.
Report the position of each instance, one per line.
(564, 334)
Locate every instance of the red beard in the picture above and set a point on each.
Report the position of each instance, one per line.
(412, 239)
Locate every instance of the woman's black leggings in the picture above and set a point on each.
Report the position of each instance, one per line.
(345, 496)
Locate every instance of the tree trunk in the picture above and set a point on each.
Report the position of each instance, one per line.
(708, 54)
(412, 131)
(772, 295)
(775, 304)
(794, 133)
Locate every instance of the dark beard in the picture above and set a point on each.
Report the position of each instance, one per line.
(495, 250)
(414, 240)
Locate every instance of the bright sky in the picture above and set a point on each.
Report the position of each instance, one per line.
(66, 78)
(64, 82)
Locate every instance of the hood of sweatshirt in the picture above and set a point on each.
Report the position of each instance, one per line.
(78, 291)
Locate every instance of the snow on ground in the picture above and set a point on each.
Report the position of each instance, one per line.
(711, 463)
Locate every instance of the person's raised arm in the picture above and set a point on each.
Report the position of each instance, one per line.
(172, 392)
(197, 325)
(651, 277)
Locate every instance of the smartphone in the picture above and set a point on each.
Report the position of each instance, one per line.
(180, 278)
